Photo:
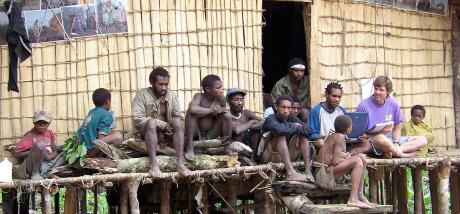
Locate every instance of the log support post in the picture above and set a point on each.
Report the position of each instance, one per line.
(205, 199)
(32, 197)
(393, 185)
(46, 201)
(231, 192)
(373, 186)
(70, 203)
(454, 190)
(133, 186)
(433, 179)
(124, 198)
(8, 205)
(400, 180)
(81, 195)
(165, 197)
(387, 185)
(24, 203)
(418, 190)
(57, 207)
(96, 200)
(443, 186)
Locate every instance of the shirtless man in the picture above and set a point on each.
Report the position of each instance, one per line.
(247, 126)
(206, 115)
(333, 153)
(157, 119)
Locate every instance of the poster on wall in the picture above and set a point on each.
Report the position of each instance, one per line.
(48, 4)
(112, 16)
(31, 4)
(79, 20)
(44, 25)
(432, 6)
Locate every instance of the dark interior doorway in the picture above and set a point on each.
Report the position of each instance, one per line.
(283, 38)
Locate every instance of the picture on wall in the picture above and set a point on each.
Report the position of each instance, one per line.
(112, 16)
(44, 25)
(57, 3)
(30, 4)
(79, 20)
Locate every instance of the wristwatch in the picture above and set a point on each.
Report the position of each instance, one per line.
(396, 142)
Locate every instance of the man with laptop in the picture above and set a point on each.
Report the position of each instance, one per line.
(323, 114)
(383, 128)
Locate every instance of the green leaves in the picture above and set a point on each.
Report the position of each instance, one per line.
(73, 151)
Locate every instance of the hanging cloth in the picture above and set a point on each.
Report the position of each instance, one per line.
(18, 42)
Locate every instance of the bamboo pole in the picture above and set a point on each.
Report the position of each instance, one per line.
(418, 190)
(46, 201)
(96, 201)
(443, 186)
(132, 191)
(124, 198)
(454, 191)
(165, 197)
(373, 186)
(401, 189)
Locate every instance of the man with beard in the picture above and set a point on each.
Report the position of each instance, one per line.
(246, 125)
(157, 119)
(382, 108)
(295, 85)
(286, 137)
(322, 116)
(206, 116)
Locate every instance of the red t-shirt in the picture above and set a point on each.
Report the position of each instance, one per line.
(30, 138)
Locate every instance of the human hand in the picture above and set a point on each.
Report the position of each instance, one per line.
(168, 130)
(363, 137)
(297, 124)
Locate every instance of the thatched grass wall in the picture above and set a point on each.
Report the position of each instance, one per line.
(352, 40)
(190, 38)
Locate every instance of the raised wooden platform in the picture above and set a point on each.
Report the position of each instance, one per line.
(293, 187)
(342, 208)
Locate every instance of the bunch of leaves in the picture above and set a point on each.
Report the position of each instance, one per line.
(74, 151)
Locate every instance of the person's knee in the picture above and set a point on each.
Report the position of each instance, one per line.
(176, 124)
(118, 136)
(358, 161)
(422, 141)
(227, 116)
(319, 143)
(362, 157)
(151, 125)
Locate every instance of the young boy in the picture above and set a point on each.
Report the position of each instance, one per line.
(334, 154)
(416, 127)
(97, 124)
(37, 149)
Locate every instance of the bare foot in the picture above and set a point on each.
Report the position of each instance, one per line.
(155, 172)
(183, 170)
(310, 177)
(359, 204)
(363, 199)
(296, 177)
(36, 176)
(189, 155)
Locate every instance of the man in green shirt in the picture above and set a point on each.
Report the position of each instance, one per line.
(295, 84)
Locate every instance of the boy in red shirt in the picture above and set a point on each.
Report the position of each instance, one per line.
(37, 149)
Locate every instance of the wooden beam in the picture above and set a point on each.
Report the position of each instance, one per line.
(133, 201)
(298, 1)
(124, 198)
(418, 190)
(373, 186)
(342, 208)
(70, 203)
(433, 180)
(401, 182)
(443, 187)
(165, 197)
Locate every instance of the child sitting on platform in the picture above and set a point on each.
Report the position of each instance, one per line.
(334, 155)
(37, 149)
(416, 127)
(97, 125)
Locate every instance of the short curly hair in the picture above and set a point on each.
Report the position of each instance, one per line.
(209, 80)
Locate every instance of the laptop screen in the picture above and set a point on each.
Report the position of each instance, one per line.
(359, 120)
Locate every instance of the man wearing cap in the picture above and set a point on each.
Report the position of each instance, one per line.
(37, 149)
(246, 125)
(295, 85)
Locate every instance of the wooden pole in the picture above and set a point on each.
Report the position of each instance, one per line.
(205, 199)
(24, 203)
(394, 186)
(46, 201)
(387, 185)
(433, 179)
(96, 201)
(373, 183)
(133, 202)
(443, 187)
(231, 192)
(400, 180)
(81, 193)
(454, 191)
(165, 197)
(124, 198)
(456, 72)
(32, 196)
(7, 201)
(56, 203)
(70, 204)
(418, 190)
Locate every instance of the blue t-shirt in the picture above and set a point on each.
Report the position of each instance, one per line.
(98, 121)
(322, 120)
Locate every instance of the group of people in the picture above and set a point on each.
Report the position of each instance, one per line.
(287, 132)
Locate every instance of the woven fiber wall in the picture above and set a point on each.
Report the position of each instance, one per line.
(190, 38)
(351, 41)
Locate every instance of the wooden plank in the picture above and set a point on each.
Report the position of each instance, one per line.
(342, 208)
